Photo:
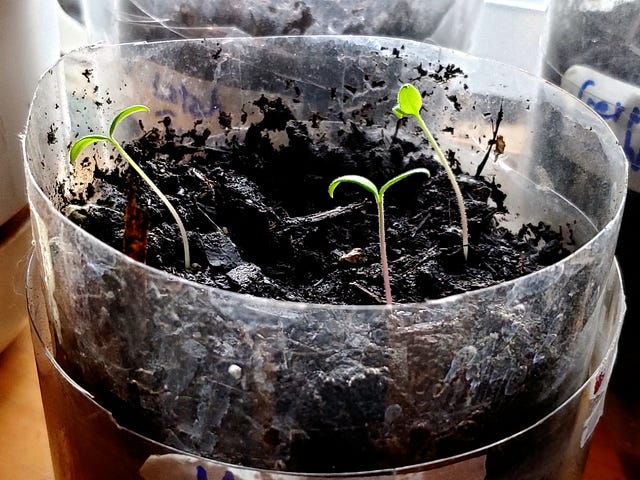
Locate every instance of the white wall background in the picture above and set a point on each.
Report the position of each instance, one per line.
(507, 30)
(511, 31)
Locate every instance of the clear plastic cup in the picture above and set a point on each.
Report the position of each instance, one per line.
(440, 378)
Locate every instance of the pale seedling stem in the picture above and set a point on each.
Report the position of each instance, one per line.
(410, 103)
(87, 140)
(379, 198)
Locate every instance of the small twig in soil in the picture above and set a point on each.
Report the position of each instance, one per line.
(227, 386)
(419, 226)
(136, 224)
(491, 142)
(205, 215)
(367, 292)
(488, 266)
(297, 222)
(303, 348)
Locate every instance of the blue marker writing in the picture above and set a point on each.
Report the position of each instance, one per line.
(634, 119)
(180, 95)
(202, 474)
(601, 106)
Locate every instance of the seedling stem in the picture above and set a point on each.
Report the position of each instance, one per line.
(379, 198)
(410, 103)
(87, 140)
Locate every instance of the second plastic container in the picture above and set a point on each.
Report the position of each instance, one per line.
(445, 22)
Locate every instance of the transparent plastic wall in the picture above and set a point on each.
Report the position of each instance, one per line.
(475, 367)
(555, 446)
(445, 22)
(592, 49)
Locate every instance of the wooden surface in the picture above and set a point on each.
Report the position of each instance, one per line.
(604, 462)
(24, 450)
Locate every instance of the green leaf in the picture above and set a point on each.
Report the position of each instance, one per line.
(402, 176)
(358, 180)
(409, 100)
(83, 143)
(124, 114)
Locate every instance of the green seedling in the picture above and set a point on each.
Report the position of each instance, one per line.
(87, 140)
(410, 103)
(379, 197)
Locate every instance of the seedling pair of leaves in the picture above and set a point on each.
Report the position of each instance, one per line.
(409, 104)
(87, 140)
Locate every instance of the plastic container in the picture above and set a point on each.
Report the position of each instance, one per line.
(593, 51)
(555, 446)
(445, 22)
(316, 387)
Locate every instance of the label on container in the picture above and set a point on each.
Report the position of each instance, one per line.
(597, 390)
(185, 467)
(617, 102)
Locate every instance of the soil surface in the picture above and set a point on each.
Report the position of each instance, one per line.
(260, 219)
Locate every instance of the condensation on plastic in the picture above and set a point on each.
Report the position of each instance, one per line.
(521, 346)
(556, 446)
(445, 22)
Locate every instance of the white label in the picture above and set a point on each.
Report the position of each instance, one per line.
(617, 102)
(597, 390)
(185, 467)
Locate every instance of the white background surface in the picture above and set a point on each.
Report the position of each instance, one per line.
(28, 45)
(511, 31)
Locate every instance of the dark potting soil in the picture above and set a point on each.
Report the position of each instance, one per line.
(260, 219)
